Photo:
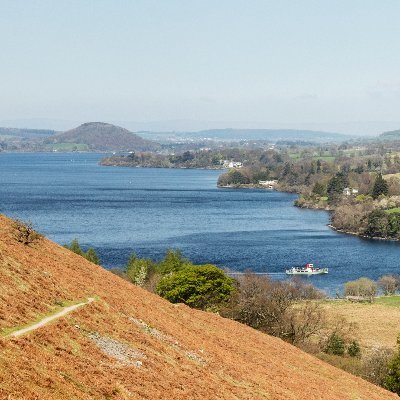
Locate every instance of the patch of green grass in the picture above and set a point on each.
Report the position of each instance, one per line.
(393, 301)
(324, 158)
(393, 210)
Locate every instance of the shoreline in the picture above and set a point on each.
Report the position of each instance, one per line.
(247, 186)
(361, 235)
(159, 167)
(315, 207)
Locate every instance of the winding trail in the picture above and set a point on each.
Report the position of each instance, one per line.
(47, 320)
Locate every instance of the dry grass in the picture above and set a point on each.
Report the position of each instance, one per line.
(61, 361)
(377, 324)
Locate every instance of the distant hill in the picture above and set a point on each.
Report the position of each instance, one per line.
(130, 344)
(391, 135)
(26, 133)
(100, 136)
(272, 135)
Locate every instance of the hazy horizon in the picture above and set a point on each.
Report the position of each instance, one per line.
(150, 65)
(371, 128)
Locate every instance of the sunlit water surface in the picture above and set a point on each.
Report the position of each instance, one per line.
(119, 211)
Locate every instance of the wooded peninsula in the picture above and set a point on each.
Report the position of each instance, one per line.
(358, 181)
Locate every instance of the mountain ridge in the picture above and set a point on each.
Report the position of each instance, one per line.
(390, 135)
(272, 135)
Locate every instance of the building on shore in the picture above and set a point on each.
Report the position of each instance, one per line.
(269, 184)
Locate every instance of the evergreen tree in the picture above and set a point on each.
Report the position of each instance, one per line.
(336, 185)
(319, 189)
(92, 256)
(307, 180)
(172, 262)
(335, 345)
(75, 247)
(380, 187)
(319, 166)
(354, 349)
(286, 169)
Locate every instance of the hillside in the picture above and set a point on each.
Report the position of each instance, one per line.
(99, 136)
(391, 135)
(26, 133)
(271, 135)
(130, 344)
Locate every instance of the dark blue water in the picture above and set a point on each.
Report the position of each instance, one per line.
(123, 210)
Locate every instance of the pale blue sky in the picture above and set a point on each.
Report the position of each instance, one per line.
(301, 63)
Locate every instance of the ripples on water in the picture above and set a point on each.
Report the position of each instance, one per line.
(123, 210)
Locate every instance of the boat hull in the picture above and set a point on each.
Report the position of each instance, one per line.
(307, 273)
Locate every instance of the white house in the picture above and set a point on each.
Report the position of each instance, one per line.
(232, 164)
(350, 191)
(270, 184)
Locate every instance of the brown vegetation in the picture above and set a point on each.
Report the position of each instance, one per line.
(132, 344)
(378, 324)
(24, 232)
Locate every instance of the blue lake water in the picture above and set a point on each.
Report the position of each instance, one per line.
(119, 211)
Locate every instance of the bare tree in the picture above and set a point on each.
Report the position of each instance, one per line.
(388, 284)
(362, 287)
(24, 232)
(282, 309)
(375, 365)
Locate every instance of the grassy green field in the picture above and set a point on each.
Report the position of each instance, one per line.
(324, 158)
(388, 300)
(393, 210)
(298, 156)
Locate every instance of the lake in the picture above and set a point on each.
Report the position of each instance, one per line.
(120, 211)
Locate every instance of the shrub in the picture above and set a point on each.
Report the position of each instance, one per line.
(354, 349)
(363, 287)
(335, 345)
(90, 255)
(277, 308)
(198, 286)
(388, 284)
(24, 232)
(375, 365)
(139, 270)
(377, 224)
(392, 380)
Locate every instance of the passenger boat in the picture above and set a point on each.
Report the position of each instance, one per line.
(309, 269)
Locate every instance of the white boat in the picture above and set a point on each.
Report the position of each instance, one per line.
(309, 269)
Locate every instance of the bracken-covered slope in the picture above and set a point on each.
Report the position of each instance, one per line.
(130, 344)
(101, 136)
